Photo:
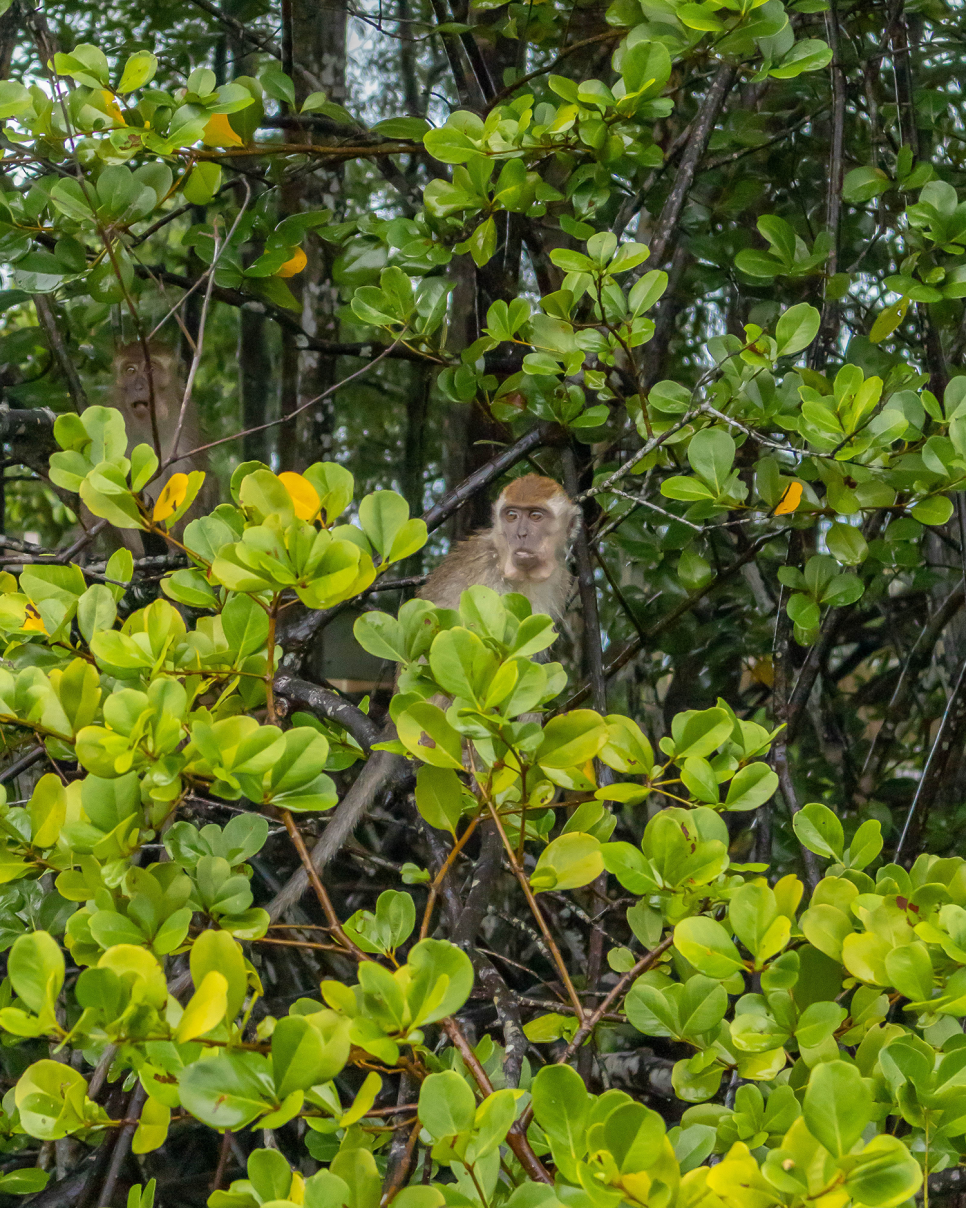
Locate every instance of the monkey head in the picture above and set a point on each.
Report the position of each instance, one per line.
(532, 520)
(132, 386)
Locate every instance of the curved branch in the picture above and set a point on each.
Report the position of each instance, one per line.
(329, 706)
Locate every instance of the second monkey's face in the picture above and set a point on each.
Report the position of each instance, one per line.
(530, 537)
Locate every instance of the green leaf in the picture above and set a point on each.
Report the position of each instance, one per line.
(708, 947)
(934, 511)
(797, 328)
(837, 1105)
(215, 950)
(138, 70)
(425, 732)
(439, 797)
(442, 978)
(26, 1181)
(402, 127)
(911, 971)
(863, 184)
(819, 830)
(382, 515)
(301, 1058)
(571, 739)
(810, 54)
(751, 787)
(866, 844)
(754, 916)
(447, 1105)
(245, 624)
(886, 1173)
(568, 862)
(712, 454)
(697, 734)
(561, 1106)
(205, 1009)
(228, 1091)
(846, 544)
(35, 967)
(278, 85)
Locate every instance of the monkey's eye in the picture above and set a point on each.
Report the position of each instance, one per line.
(130, 369)
(510, 514)
(536, 514)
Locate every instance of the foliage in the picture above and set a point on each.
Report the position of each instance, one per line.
(757, 398)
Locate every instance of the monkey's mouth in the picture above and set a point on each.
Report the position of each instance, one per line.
(524, 565)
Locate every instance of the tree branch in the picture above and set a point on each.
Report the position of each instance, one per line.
(695, 149)
(325, 704)
(58, 349)
(382, 771)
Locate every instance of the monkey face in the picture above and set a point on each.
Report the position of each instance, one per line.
(530, 536)
(133, 386)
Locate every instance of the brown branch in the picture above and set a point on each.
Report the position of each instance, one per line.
(693, 152)
(469, 97)
(335, 924)
(285, 319)
(592, 650)
(58, 350)
(630, 649)
(828, 328)
(537, 913)
(382, 771)
(916, 662)
(245, 32)
(122, 1145)
(516, 1137)
(325, 704)
(950, 735)
(591, 1021)
(612, 35)
(13, 770)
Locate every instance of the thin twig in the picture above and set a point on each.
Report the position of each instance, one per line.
(320, 892)
(537, 913)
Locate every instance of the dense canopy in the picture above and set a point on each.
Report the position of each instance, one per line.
(314, 893)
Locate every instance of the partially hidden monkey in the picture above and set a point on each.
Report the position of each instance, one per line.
(524, 550)
(131, 395)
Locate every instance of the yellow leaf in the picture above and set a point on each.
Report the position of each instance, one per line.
(763, 671)
(637, 1185)
(218, 132)
(47, 810)
(739, 1182)
(206, 1008)
(171, 498)
(293, 266)
(32, 621)
(364, 1100)
(790, 500)
(304, 496)
(152, 1129)
(111, 107)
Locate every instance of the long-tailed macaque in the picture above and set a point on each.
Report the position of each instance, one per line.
(525, 550)
(132, 397)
